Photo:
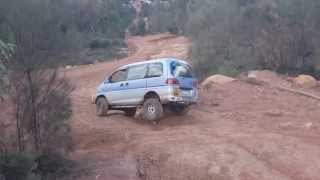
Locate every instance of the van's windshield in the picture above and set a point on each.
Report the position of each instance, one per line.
(181, 70)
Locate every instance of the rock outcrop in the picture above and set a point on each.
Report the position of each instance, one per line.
(217, 79)
(305, 81)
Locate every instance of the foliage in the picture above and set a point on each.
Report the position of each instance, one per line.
(39, 93)
(231, 36)
(42, 31)
(106, 43)
(72, 25)
(16, 166)
(43, 108)
(53, 166)
(6, 51)
(139, 28)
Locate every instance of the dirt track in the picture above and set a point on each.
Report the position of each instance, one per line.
(238, 131)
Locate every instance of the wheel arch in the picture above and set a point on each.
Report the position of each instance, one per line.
(151, 94)
(100, 96)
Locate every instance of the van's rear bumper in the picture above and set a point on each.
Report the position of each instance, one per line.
(181, 100)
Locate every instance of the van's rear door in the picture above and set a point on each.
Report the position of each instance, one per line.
(183, 73)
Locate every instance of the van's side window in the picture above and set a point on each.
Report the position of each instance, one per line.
(119, 76)
(137, 72)
(155, 70)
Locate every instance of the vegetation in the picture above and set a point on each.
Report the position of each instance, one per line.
(231, 36)
(6, 50)
(73, 26)
(16, 166)
(53, 166)
(42, 32)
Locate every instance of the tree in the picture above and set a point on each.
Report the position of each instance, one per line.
(6, 50)
(38, 90)
(232, 36)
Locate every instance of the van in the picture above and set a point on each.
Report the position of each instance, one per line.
(153, 85)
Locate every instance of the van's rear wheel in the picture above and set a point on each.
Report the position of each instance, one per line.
(102, 106)
(152, 110)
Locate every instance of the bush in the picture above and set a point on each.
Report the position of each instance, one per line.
(16, 166)
(52, 165)
(173, 29)
(100, 43)
(145, 10)
(106, 43)
(282, 36)
(139, 28)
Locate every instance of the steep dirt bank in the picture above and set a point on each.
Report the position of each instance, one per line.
(238, 131)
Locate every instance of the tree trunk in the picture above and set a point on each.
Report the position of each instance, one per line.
(19, 125)
(34, 120)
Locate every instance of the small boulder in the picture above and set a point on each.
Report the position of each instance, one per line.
(217, 79)
(305, 81)
(68, 67)
(308, 125)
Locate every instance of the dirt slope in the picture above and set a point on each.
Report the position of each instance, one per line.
(239, 131)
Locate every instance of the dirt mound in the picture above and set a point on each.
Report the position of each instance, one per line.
(269, 77)
(217, 159)
(250, 134)
(305, 81)
(216, 79)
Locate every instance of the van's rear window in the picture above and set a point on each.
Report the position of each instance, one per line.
(181, 70)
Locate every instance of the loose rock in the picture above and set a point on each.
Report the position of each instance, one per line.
(305, 81)
(217, 79)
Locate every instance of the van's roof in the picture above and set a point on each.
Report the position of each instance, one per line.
(154, 61)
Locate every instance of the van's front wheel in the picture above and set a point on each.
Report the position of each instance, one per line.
(102, 106)
(152, 110)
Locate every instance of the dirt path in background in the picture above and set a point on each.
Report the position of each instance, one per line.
(249, 132)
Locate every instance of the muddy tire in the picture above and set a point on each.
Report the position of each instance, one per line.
(152, 110)
(130, 112)
(102, 107)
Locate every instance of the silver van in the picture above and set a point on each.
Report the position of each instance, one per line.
(152, 85)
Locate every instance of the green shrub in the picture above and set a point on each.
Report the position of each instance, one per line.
(173, 29)
(141, 27)
(106, 43)
(53, 166)
(248, 34)
(100, 43)
(16, 166)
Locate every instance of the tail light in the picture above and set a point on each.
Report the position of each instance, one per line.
(172, 81)
(176, 89)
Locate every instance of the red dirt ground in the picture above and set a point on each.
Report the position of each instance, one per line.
(239, 131)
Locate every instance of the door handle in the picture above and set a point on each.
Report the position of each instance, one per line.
(127, 84)
(121, 84)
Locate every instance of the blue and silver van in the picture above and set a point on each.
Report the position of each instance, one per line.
(152, 85)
